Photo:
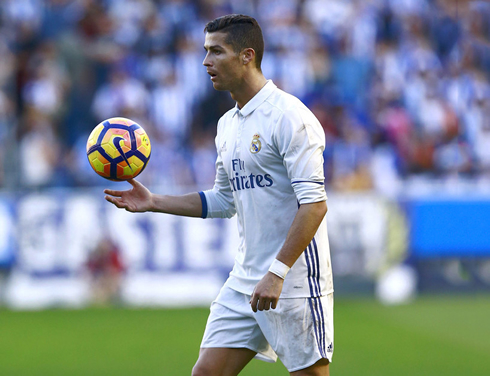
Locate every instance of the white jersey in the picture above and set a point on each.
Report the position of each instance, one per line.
(270, 160)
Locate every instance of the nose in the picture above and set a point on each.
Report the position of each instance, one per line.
(206, 61)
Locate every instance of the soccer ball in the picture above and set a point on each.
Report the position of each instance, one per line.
(118, 149)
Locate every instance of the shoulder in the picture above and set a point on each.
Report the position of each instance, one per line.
(294, 120)
(289, 107)
(291, 114)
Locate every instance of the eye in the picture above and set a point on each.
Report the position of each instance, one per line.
(216, 52)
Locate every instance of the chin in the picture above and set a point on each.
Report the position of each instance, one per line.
(219, 87)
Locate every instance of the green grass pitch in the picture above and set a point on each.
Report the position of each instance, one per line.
(433, 336)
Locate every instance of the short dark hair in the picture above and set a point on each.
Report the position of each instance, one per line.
(242, 32)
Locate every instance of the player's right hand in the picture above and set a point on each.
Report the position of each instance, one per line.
(136, 199)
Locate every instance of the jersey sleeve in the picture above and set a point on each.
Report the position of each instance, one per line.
(300, 140)
(218, 202)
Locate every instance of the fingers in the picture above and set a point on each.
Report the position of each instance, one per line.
(262, 303)
(267, 304)
(111, 199)
(113, 193)
(116, 201)
(253, 302)
(134, 183)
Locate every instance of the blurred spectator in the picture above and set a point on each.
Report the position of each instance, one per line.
(328, 18)
(401, 86)
(203, 159)
(351, 155)
(106, 269)
(396, 128)
(121, 96)
(128, 17)
(477, 121)
(39, 150)
(189, 72)
(170, 110)
(47, 81)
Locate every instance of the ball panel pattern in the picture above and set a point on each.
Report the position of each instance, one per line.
(118, 149)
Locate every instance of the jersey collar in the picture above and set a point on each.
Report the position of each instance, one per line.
(257, 100)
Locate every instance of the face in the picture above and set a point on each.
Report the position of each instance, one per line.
(222, 63)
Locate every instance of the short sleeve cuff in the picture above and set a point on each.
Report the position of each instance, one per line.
(309, 191)
(204, 203)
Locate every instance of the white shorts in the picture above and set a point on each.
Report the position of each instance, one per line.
(299, 331)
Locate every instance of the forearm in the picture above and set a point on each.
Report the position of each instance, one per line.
(188, 205)
(302, 231)
(304, 227)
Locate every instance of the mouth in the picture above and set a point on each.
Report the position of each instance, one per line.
(213, 75)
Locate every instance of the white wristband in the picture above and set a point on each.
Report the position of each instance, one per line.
(278, 268)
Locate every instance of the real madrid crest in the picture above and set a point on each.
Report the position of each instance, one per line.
(256, 145)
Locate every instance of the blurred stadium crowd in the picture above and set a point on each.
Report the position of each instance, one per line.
(401, 87)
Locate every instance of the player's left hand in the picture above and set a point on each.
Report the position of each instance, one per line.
(266, 293)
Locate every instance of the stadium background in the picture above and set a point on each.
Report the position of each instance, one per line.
(401, 88)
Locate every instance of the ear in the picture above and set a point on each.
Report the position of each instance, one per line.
(247, 55)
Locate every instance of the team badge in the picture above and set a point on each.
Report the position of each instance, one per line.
(256, 145)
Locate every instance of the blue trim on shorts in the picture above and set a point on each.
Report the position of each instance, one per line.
(323, 326)
(313, 265)
(319, 329)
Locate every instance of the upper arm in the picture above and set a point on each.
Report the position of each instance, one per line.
(300, 141)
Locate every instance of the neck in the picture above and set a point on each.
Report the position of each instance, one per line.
(250, 86)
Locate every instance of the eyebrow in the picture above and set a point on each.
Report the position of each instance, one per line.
(213, 47)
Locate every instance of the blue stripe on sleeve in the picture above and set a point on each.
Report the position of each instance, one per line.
(307, 181)
(204, 213)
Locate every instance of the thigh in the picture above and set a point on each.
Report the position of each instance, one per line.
(222, 361)
(320, 368)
